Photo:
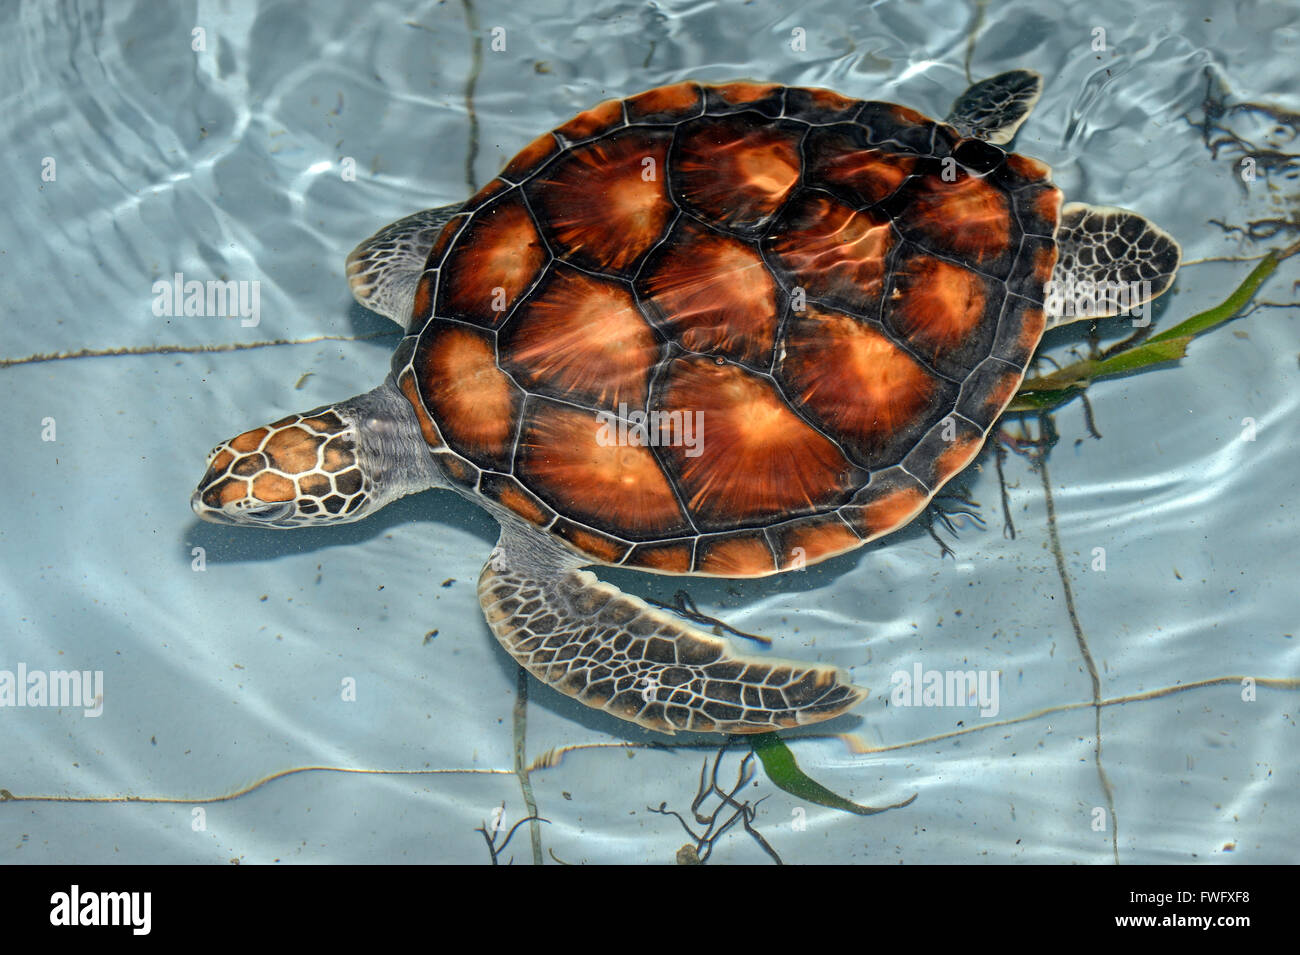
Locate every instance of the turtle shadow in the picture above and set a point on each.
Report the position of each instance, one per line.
(1111, 329)
(443, 508)
(371, 328)
(738, 592)
(230, 544)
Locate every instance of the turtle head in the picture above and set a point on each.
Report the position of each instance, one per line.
(331, 465)
(301, 470)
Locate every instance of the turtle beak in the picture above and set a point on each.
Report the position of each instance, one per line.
(213, 515)
(269, 515)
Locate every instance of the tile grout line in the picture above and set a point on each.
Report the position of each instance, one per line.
(520, 714)
(1057, 553)
(144, 350)
(476, 67)
(520, 725)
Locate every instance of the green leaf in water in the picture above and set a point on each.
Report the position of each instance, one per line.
(782, 769)
(1047, 392)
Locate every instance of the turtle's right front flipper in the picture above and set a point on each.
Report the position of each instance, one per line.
(1110, 260)
(384, 270)
(615, 652)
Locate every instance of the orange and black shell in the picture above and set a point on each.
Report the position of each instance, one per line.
(730, 330)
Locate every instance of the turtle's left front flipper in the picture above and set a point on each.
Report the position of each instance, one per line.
(993, 109)
(615, 652)
(384, 270)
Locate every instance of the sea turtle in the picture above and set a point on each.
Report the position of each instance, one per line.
(724, 330)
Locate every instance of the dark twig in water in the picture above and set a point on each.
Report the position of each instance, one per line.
(953, 502)
(684, 606)
(1259, 229)
(1089, 421)
(1048, 429)
(1256, 306)
(520, 732)
(999, 457)
(494, 850)
(1217, 135)
(1032, 448)
(715, 824)
(476, 67)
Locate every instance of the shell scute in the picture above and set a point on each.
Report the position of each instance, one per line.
(767, 99)
(486, 195)
(756, 460)
(986, 391)
(744, 554)
(605, 202)
(859, 385)
(734, 173)
(593, 542)
(903, 129)
(669, 557)
(1041, 214)
(448, 234)
(581, 338)
(855, 172)
(475, 404)
(666, 104)
(500, 256)
(424, 291)
(600, 119)
(1019, 332)
(460, 471)
(432, 437)
(811, 539)
(820, 106)
(944, 312)
(567, 458)
(509, 493)
(1033, 267)
(933, 202)
(835, 254)
(1028, 168)
(890, 499)
(945, 449)
(530, 157)
(713, 294)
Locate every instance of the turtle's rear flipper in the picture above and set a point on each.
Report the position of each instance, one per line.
(384, 270)
(616, 653)
(1109, 261)
(993, 109)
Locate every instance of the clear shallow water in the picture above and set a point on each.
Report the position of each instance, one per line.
(225, 163)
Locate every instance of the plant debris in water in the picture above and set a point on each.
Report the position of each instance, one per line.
(728, 811)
